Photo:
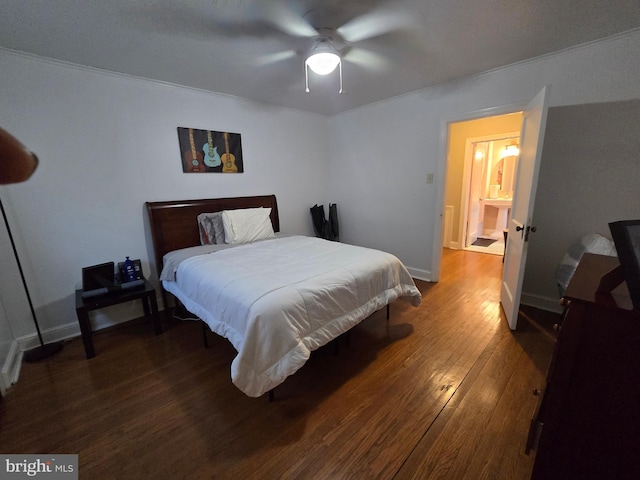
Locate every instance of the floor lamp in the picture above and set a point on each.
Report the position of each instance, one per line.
(17, 164)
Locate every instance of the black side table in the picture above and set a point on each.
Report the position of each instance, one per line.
(146, 293)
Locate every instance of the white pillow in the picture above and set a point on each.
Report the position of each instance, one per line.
(247, 225)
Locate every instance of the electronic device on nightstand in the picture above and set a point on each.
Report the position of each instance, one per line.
(102, 279)
(101, 288)
(98, 279)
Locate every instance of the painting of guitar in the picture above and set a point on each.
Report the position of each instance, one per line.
(197, 156)
(228, 159)
(193, 160)
(211, 157)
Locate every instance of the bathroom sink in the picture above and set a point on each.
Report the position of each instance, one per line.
(498, 202)
(503, 205)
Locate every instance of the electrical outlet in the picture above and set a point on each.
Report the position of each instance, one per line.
(429, 178)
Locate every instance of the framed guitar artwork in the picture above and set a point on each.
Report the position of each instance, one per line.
(208, 151)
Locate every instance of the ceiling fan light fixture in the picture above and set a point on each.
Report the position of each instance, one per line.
(322, 60)
(323, 63)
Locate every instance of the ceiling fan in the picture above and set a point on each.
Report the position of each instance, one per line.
(323, 32)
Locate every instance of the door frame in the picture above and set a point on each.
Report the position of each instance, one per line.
(441, 171)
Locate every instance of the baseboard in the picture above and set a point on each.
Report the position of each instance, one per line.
(57, 334)
(11, 368)
(103, 318)
(543, 303)
(420, 274)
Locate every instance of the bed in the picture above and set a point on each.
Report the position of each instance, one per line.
(275, 299)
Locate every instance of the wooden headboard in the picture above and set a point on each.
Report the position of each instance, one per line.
(174, 224)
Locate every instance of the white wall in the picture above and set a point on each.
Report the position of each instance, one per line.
(381, 154)
(108, 143)
(589, 176)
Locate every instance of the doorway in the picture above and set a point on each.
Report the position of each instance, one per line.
(488, 182)
(473, 170)
(533, 116)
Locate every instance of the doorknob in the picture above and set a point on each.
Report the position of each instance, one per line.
(529, 229)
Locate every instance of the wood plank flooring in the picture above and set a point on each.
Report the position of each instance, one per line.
(441, 391)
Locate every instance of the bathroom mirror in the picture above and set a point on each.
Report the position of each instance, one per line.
(500, 166)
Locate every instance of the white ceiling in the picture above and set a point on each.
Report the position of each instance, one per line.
(255, 49)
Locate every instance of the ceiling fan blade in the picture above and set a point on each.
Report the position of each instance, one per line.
(206, 22)
(286, 20)
(376, 23)
(273, 58)
(367, 59)
(259, 18)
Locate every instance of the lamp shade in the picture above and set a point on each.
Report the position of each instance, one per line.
(16, 162)
(323, 59)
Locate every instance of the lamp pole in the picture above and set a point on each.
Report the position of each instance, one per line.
(17, 164)
(43, 350)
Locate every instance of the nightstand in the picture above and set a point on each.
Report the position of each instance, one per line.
(146, 293)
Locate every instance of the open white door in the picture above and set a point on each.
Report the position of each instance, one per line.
(531, 140)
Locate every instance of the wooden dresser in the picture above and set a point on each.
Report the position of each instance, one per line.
(587, 424)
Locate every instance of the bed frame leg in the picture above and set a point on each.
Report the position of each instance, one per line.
(205, 339)
(387, 319)
(271, 395)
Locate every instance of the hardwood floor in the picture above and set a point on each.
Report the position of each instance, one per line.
(441, 391)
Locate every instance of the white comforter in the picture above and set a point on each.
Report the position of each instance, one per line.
(277, 300)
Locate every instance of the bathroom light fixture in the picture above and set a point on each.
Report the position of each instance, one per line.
(323, 59)
(510, 151)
